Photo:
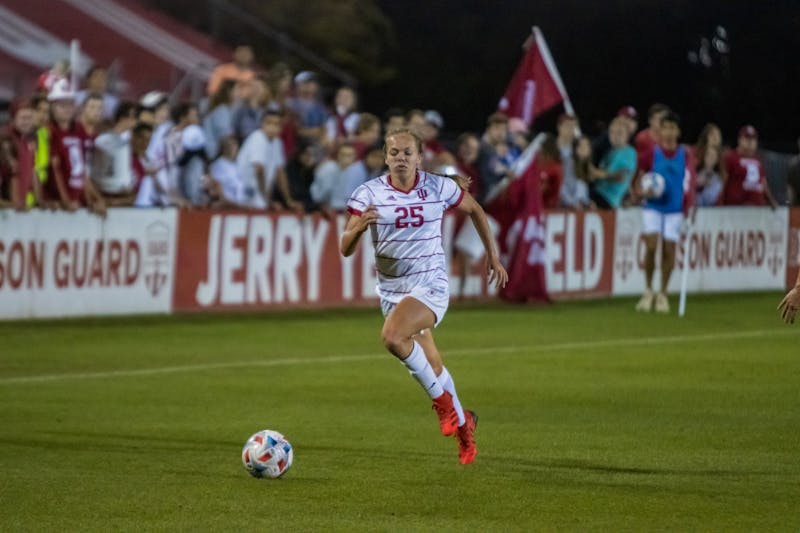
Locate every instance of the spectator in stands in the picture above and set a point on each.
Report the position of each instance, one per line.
(647, 140)
(42, 159)
(574, 192)
(193, 165)
(145, 185)
(793, 179)
(617, 168)
(162, 124)
(112, 170)
(261, 163)
(19, 186)
(341, 126)
(8, 158)
(434, 154)
(166, 150)
(250, 110)
(91, 114)
(97, 83)
(330, 190)
(300, 173)
(305, 105)
(227, 189)
(415, 120)
(467, 150)
(746, 181)
(367, 134)
(375, 163)
(490, 159)
(601, 145)
(239, 70)
(393, 119)
(708, 180)
(518, 133)
(218, 122)
(548, 166)
(70, 149)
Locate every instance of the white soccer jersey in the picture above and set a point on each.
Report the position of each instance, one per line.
(408, 235)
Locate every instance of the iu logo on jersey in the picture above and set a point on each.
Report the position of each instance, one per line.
(423, 194)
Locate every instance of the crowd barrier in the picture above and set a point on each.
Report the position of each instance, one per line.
(57, 264)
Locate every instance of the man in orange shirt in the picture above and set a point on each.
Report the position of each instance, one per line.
(240, 70)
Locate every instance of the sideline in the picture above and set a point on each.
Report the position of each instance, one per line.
(292, 361)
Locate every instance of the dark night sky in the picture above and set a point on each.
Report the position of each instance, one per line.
(458, 55)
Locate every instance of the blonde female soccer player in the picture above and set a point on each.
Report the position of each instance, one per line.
(403, 211)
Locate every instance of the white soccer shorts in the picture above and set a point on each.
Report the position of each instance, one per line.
(666, 224)
(436, 298)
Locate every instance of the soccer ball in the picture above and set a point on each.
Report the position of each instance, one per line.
(652, 184)
(267, 454)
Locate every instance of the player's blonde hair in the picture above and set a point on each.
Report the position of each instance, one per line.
(462, 181)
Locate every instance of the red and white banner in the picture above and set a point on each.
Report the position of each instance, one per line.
(580, 255)
(243, 261)
(156, 261)
(730, 249)
(56, 264)
(536, 85)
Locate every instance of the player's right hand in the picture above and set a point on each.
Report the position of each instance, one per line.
(790, 305)
(367, 218)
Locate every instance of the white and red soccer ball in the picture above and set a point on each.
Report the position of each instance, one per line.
(267, 454)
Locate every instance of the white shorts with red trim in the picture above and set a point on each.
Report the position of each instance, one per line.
(436, 298)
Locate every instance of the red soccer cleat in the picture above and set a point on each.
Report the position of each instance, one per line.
(467, 450)
(448, 418)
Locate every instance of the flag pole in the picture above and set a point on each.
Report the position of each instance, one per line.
(551, 68)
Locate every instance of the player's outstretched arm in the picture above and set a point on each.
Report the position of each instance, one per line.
(790, 303)
(497, 274)
(356, 225)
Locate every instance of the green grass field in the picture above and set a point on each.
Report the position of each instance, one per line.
(592, 417)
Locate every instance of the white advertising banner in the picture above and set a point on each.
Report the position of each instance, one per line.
(56, 264)
(730, 249)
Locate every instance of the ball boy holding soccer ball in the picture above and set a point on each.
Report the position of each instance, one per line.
(663, 214)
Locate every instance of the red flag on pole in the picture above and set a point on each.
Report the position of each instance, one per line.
(536, 85)
(518, 210)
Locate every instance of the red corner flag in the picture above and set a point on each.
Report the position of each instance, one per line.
(536, 85)
(518, 210)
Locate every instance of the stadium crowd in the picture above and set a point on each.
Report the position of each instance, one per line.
(268, 141)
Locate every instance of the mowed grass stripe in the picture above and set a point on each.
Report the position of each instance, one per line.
(290, 361)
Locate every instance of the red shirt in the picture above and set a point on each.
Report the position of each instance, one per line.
(644, 142)
(471, 171)
(25, 147)
(746, 181)
(550, 177)
(71, 150)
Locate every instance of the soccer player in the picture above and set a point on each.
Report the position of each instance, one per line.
(403, 211)
(663, 215)
(791, 303)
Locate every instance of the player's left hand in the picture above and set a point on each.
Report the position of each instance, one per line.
(497, 274)
(790, 305)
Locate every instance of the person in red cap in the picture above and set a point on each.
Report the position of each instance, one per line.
(746, 182)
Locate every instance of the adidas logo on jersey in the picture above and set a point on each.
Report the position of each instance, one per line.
(392, 198)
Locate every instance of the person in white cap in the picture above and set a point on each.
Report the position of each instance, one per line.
(70, 149)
